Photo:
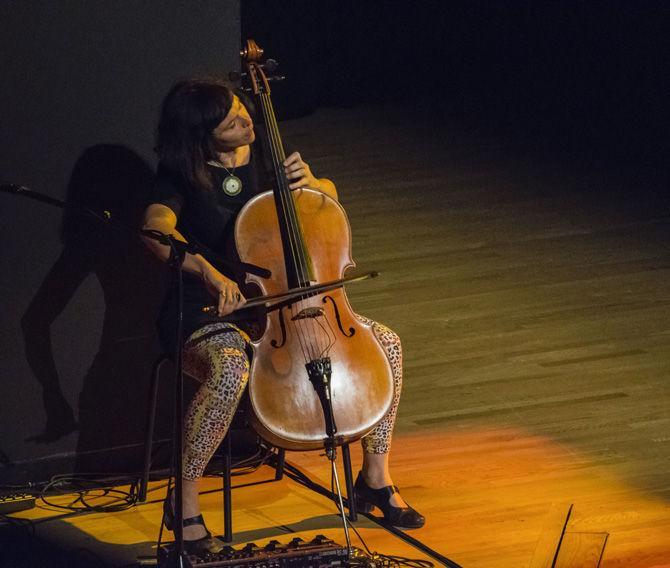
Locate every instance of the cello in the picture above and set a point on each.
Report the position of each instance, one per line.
(319, 378)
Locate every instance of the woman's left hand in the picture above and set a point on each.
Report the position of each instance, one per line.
(298, 170)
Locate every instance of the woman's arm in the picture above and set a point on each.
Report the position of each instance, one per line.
(161, 218)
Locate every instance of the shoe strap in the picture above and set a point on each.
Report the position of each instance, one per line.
(387, 491)
(194, 521)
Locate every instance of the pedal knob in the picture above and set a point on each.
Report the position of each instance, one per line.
(249, 549)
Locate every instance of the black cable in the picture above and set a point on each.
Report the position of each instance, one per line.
(82, 487)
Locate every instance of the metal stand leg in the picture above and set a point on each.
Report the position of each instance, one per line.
(279, 468)
(348, 477)
(227, 490)
(151, 423)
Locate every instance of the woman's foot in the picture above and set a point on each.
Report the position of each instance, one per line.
(196, 536)
(380, 481)
(385, 498)
(374, 486)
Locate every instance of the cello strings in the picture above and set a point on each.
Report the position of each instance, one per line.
(292, 226)
(277, 153)
(312, 329)
(324, 350)
(311, 326)
(288, 202)
(332, 337)
(278, 156)
(298, 250)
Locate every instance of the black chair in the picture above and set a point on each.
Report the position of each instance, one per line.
(277, 463)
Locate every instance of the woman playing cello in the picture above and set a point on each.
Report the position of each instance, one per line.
(210, 166)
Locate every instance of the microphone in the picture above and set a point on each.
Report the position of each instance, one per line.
(24, 191)
(13, 188)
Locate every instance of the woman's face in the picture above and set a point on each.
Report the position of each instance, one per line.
(235, 130)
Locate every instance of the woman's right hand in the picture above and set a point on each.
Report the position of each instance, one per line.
(226, 290)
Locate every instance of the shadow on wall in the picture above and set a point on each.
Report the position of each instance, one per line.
(112, 402)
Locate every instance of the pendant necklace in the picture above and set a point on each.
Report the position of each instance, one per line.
(231, 185)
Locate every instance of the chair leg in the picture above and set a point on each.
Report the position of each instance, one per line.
(227, 490)
(281, 459)
(348, 476)
(151, 423)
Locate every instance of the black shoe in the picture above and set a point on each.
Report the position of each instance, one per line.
(367, 498)
(199, 545)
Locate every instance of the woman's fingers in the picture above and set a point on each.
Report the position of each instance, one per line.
(222, 303)
(240, 300)
(303, 182)
(294, 166)
(292, 159)
(298, 171)
(224, 300)
(230, 299)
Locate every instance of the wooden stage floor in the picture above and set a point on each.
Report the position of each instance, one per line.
(533, 302)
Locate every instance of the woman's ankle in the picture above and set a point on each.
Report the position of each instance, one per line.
(375, 471)
(190, 498)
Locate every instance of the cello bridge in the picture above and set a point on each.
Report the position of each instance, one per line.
(308, 313)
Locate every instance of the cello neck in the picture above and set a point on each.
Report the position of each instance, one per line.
(298, 263)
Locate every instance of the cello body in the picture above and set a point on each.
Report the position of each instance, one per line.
(285, 407)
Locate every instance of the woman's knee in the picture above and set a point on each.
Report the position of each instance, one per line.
(389, 339)
(228, 371)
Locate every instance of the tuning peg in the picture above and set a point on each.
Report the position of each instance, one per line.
(270, 65)
(235, 76)
(277, 78)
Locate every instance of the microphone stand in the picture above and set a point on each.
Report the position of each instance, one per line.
(178, 250)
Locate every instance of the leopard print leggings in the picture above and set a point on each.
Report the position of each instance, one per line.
(220, 363)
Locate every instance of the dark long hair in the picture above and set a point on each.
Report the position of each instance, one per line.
(190, 111)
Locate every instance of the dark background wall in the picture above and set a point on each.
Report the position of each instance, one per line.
(82, 82)
(81, 88)
(585, 79)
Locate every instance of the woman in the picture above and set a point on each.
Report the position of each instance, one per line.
(210, 167)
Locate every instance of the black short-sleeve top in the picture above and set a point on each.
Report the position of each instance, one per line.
(206, 218)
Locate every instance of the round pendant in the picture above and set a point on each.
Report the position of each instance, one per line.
(232, 185)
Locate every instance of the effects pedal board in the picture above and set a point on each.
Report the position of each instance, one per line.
(320, 552)
(16, 502)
